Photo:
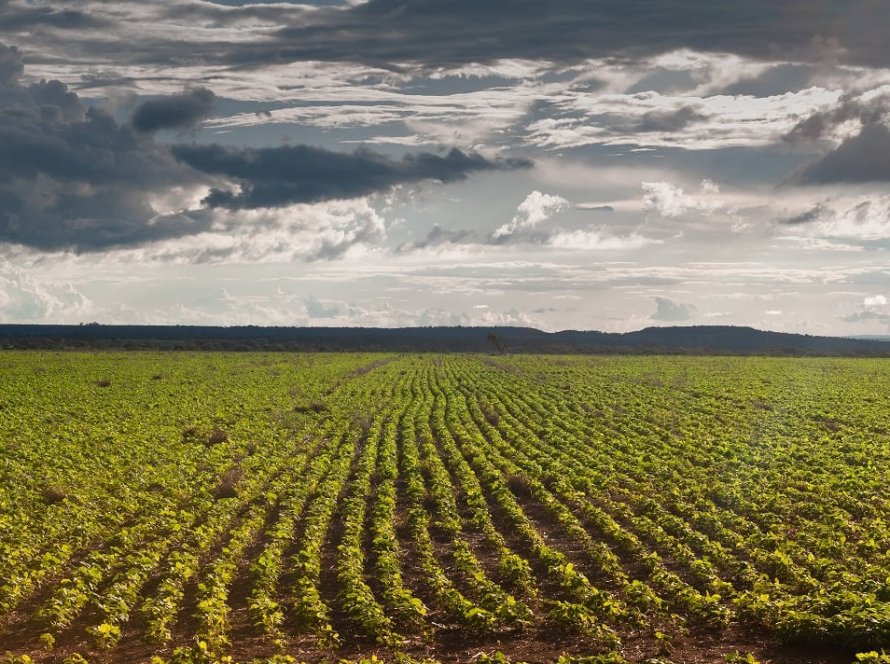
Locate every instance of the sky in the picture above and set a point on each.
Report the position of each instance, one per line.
(575, 164)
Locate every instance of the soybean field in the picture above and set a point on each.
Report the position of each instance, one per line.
(320, 507)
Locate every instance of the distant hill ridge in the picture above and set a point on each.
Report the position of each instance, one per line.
(704, 339)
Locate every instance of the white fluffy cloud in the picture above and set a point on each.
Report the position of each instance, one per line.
(671, 201)
(598, 240)
(303, 232)
(691, 120)
(665, 198)
(26, 299)
(668, 311)
(873, 309)
(851, 217)
(536, 207)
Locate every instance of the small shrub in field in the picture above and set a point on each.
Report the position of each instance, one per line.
(520, 485)
(103, 382)
(53, 494)
(314, 407)
(226, 486)
(217, 436)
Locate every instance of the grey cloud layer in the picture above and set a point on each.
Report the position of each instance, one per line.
(274, 177)
(820, 124)
(443, 31)
(605, 94)
(180, 112)
(864, 157)
(16, 16)
(860, 158)
(456, 32)
(72, 177)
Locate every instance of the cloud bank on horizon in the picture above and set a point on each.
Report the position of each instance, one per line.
(595, 164)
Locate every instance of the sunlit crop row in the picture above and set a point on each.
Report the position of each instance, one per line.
(419, 508)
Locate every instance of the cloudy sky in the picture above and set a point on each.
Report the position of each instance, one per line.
(586, 164)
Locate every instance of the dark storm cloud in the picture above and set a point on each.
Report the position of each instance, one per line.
(437, 33)
(275, 177)
(179, 112)
(73, 178)
(11, 66)
(453, 32)
(864, 157)
(16, 16)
